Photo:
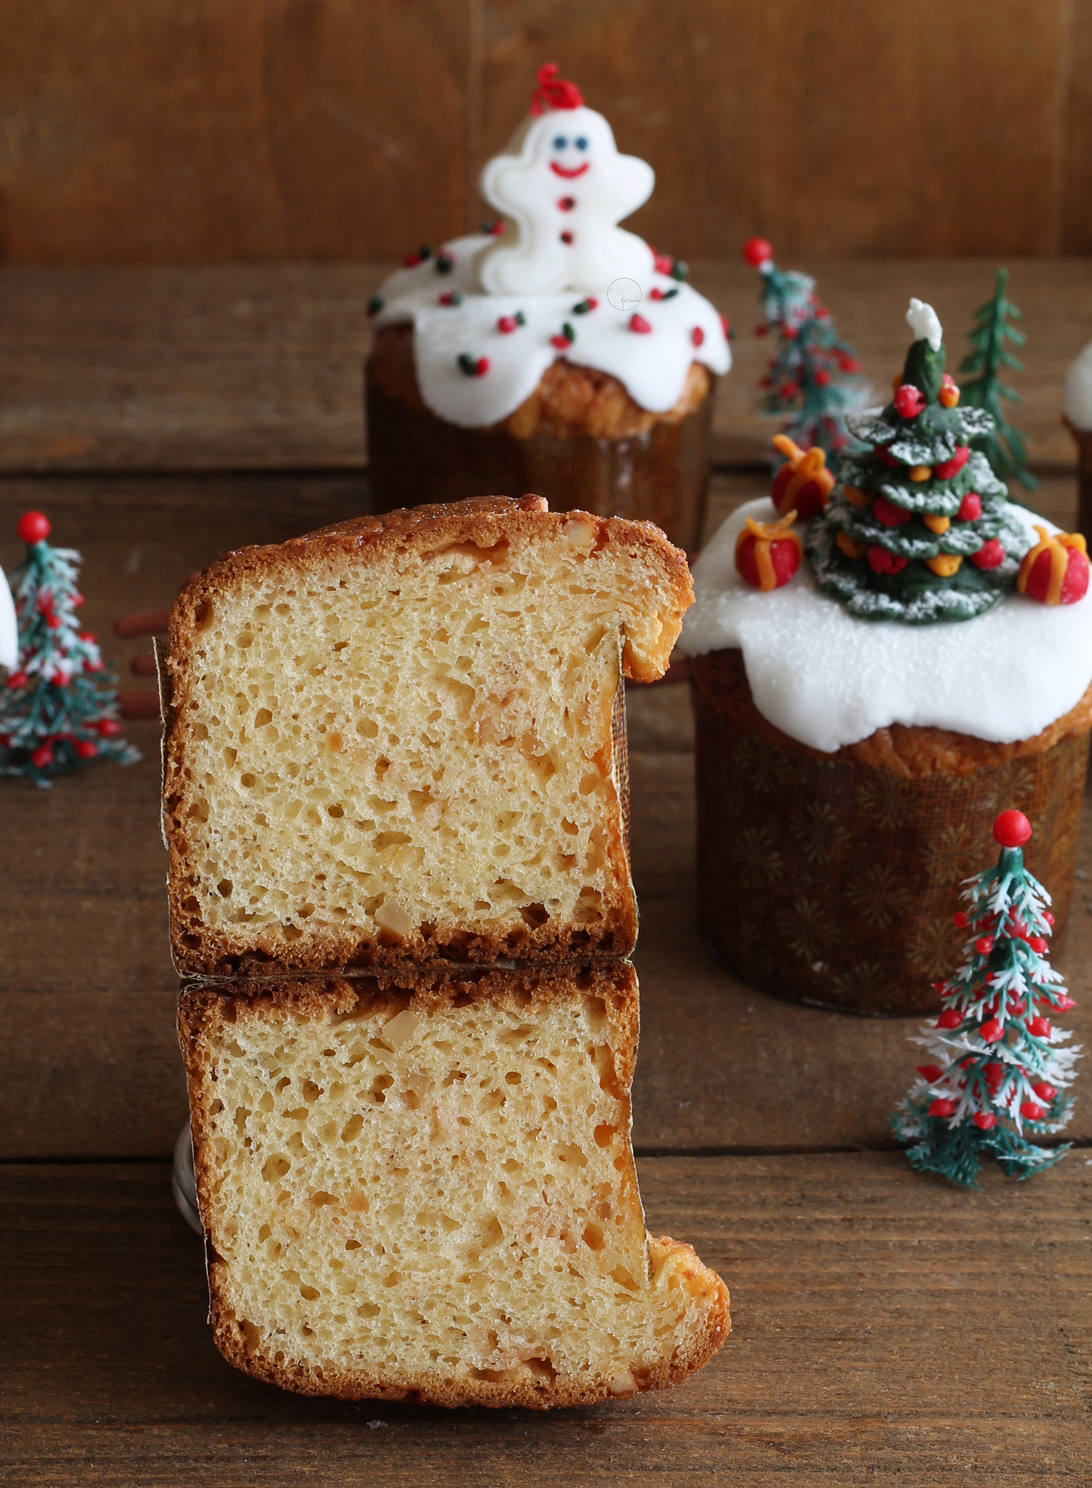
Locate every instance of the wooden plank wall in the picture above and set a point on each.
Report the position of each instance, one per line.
(187, 131)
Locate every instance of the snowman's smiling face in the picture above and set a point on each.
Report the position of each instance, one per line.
(569, 154)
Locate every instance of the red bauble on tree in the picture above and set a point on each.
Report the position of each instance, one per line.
(757, 251)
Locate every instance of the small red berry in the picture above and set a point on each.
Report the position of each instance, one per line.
(992, 1031)
(697, 335)
(108, 727)
(561, 342)
(42, 756)
(1011, 829)
(888, 513)
(909, 401)
(86, 748)
(757, 251)
(53, 621)
(849, 364)
(87, 637)
(1064, 1003)
(1048, 917)
(567, 203)
(33, 527)
(984, 945)
(788, 390)
(984, 1120)
(639, 324)
(507, 324)
(1039, 1027)
(17, 679)
(950, 1018)
(59, 679)
(930, 1072)
(822, 378)
(942, 1107)
(481, 366)
(970, 508)
(1044, 1091)
(1032, 1111)
(989, 555)
(663, 263)
(947, 468)
(960, 920)
(1037, 944)
(592, 303)
(881, 561)
(885, 457)
(566, 237)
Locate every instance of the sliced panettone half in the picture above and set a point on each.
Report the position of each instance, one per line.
(398, 739)
(421, 1186)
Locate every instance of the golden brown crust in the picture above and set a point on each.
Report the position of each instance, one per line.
(203, 1014)
(911, 752)
(569, 401)
(484, 521)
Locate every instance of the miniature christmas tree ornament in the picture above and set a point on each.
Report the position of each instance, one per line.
(1003, 445)
(59, 707)
(998, 1068)
(811, 374)
(916, 501)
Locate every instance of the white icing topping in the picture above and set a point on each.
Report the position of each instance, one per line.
(9, 630)
(1078, 390)
(828, 679)
(652, 367)
(925, 324)
(565, 155)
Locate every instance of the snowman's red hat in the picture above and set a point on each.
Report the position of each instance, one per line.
(554, 92)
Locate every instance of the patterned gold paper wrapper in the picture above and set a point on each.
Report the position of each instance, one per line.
(831, 881)
(660, 476)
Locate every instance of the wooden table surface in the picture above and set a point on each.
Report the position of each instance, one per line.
(887, 1328)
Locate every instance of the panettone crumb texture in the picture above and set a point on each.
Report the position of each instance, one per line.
(397, 739)
(426, 1190)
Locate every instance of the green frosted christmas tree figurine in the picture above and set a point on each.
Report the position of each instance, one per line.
(59, 708)
(918, 527)
(1003, 446)
(998, 1068)
(811, 378)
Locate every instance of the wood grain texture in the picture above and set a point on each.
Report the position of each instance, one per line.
(180, 131)
(841, 128)
(887, 1329)
(259, 367)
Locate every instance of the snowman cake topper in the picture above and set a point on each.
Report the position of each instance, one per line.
(491, 314)
(563, 187)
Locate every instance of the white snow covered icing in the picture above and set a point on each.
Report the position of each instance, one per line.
(925, 323)
(652, 366)
(828, 679)
(9, 630)
(1078, 390)
(564, 185)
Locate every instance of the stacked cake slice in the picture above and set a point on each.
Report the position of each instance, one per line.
(395, 804)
